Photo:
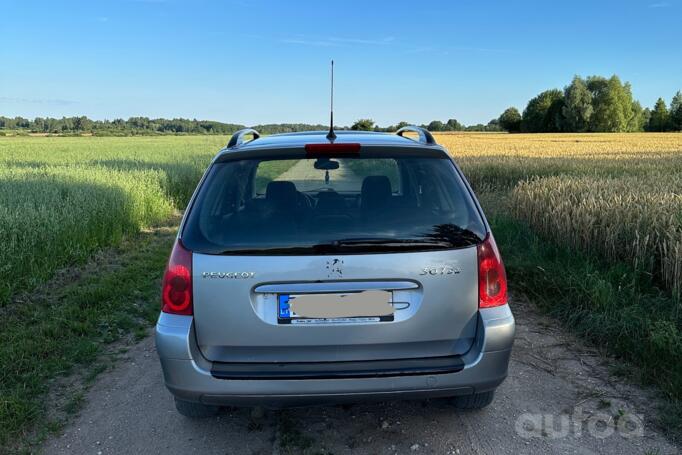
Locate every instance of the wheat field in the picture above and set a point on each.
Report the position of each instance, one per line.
(63, 198)
(618, 196)
(614, 197)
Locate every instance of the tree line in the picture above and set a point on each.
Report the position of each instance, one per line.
(435, 125)
(146, 126)
(594, 104)
(116, 127)
(139, 126)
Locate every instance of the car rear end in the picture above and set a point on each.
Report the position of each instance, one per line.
(309, 272)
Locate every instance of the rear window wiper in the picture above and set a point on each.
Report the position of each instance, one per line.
(417, 242)
(265, 251)
(369, 244)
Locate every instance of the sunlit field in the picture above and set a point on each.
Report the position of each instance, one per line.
(63, 198)
(619, 195)
(614, 195)
(590, 227)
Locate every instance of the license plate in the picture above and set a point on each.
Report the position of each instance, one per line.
(337, 308)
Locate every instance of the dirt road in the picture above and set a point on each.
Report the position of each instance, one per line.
(307, 178)
(559, 398)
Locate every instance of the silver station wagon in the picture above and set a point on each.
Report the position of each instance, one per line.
(311, 269)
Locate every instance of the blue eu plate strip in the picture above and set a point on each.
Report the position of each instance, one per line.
(283, 305)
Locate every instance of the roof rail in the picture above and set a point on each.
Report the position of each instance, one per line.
(424, 136)
(237, 138)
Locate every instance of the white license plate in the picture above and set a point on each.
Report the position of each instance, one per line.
(336, 308)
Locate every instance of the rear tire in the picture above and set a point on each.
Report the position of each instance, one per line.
(193, 410)
(475, 401)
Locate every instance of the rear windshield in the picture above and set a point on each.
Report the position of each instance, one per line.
(332, 205)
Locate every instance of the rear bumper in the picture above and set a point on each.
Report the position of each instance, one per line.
(189, 376)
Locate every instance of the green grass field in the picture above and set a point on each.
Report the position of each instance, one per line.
(61, 199)
(590, 226)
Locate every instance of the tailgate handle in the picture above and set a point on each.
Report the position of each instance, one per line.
(334, 286)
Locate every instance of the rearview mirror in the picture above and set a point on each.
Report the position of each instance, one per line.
(325, 164)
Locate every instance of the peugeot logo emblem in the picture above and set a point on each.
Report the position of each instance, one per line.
(335, 268)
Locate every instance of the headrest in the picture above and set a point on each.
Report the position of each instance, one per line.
(376, 191)
(281, 192)
(328, 200)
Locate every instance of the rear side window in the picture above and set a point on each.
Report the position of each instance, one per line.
(332, 205)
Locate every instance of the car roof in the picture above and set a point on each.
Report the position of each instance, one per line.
(300, 139)
(314, 137)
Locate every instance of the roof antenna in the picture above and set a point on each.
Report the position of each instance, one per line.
(331, 135)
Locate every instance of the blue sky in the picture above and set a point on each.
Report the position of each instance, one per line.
(264, 61)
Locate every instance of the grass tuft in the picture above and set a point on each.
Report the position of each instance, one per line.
(607, 303)
(50, 333)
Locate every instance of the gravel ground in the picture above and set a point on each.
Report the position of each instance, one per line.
(558, 398)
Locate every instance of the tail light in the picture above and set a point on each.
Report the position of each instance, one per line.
(492, 279)
(176, 293)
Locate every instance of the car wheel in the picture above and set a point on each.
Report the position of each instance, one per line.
(195, 410)
(475, 401)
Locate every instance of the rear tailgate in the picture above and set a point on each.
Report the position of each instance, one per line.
(434, 295)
